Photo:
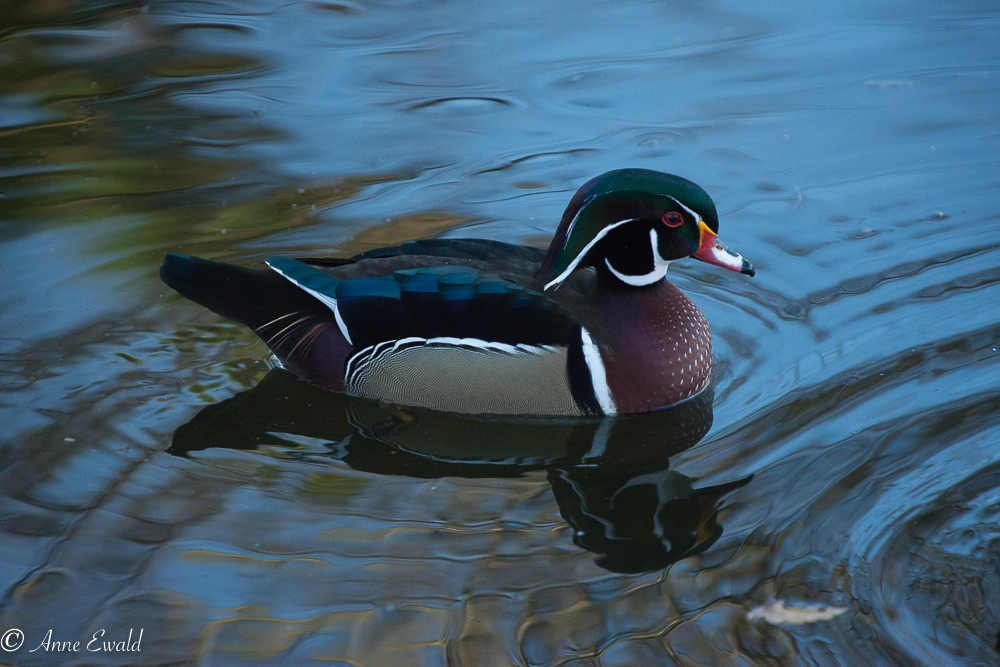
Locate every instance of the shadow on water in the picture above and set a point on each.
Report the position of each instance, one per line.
(611, 479)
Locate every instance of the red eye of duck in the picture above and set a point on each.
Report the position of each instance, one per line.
(673, 219)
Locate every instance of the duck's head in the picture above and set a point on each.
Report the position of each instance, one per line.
(631, 223)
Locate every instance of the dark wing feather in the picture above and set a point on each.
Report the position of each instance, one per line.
(454, 301)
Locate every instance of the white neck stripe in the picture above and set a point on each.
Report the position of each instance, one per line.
(576, 260)
(697, 218)
(660, 266)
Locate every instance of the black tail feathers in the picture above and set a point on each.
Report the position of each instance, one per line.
(299, 329)
(253, 297)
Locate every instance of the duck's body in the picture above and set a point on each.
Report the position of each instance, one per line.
(480, 327)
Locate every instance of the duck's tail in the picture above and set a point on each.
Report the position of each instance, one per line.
(300, 330)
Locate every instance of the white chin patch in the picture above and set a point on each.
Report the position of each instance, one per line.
(660, 266)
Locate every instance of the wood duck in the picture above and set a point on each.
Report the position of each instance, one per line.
(589, 328)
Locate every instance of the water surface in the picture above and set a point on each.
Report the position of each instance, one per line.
(155, 473)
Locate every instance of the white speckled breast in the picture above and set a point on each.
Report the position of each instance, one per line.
(658, 350)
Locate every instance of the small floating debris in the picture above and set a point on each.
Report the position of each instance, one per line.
(777, 613)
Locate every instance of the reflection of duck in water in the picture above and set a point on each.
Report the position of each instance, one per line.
(590, 328)
(611, 478)
(638, 521)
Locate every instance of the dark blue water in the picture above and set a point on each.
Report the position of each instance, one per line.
(157, 475)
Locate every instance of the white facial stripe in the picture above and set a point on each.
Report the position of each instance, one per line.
(660, 266)
(576, 260)
(598, 378)
(572, 223)
(697, 218)
(330, 301)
